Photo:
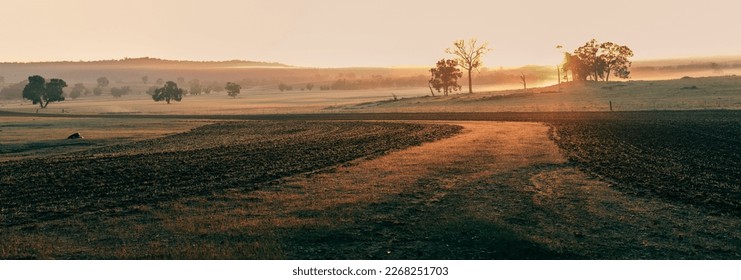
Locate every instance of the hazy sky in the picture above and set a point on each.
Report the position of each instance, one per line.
(360, 33)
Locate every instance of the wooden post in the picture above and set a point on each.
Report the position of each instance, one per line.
(610, 105)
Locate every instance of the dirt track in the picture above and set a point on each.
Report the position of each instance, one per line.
(498, 190)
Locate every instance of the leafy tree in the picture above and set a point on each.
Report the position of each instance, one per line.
(98, 91)
(181, 80)
(169, 91)
(78, 90)
(118, 92)
(445, 76)
(195, 87)
(598, 61)
(616, 60)
(103, 82)
(310, 86)
(145, 79)
(468, 56)
(233, 89)
(282, 87)
(159, 82)
(41, 92)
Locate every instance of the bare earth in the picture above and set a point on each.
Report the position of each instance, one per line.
(498, 190)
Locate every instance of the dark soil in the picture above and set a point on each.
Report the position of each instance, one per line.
(206, 159)
(692, 158)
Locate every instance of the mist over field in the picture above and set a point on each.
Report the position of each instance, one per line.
(326, 130)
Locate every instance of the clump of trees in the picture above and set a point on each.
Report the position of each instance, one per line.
(233, 89)
(195, 87)
(78, 90)
(41, 92)
(468, 55)
(118, 92)
(13, 91)
(168, 92)
(103, 82)
(444, 77)
(285, 87)
(598, 61)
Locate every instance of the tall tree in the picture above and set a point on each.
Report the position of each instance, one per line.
(444, 77)
(468, 56)
(169, 91)
(41, 92)
(616, 60)
(599, 61)
(587, 54)
(233, 89)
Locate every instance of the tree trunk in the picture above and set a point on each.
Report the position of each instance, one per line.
(431, 92)
(470, 86)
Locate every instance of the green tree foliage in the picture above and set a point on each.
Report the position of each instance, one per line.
(598, 61)
(168, 92)
(41, 92)
(468, 55)
(444, 77)
(233, 89)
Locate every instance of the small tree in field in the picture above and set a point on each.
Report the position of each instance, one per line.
(233, 89)
(468, 56)
(169, 91)
(41, 92)
(445, 76)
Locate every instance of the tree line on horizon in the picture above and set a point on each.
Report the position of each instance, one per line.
(593, 60)
(41, 92)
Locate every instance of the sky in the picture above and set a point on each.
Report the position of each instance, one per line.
(372, 33)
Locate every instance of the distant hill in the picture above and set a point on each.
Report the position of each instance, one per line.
(150, 62)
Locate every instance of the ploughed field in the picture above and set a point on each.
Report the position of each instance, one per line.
(213, 157)
(593, 185)
(692, 158)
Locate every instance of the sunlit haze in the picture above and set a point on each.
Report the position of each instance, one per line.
(329, 33)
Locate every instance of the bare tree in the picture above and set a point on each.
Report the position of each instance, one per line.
(524, 82)
(468, 56)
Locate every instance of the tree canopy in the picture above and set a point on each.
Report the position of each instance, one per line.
(233, 89)
(103, 82)
(598, 61)
(444, 77)
(41, 92)
(168, 92)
